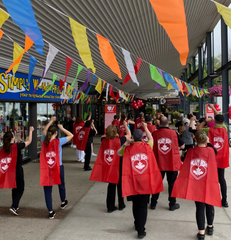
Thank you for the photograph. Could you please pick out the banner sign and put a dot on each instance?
(209, 111)
(18, 89)
(110, 111)
(170, 101)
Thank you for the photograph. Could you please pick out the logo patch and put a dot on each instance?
(77, 128)
(145, 139)
(81, 135)
(164, 145)
(4, 164)
(51, 161)
(108, 155)
(218, 143)
(139, 162)
(198, 168)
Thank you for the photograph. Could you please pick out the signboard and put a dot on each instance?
(16, 89)
(110, 111)
(209, 111)
(170, 101)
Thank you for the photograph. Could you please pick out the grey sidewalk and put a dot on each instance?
(86, 216)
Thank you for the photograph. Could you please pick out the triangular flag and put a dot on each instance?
(157, 86)
(98, 87)
(88, 90)
(117, 95)
(130, 67)
(77, 74)
(52, 84)
(81, 42)
(121, 94)
(171, 15)
(189, 90)
(61, 84)
(155, 75)
(184, 87)
(17, 59)
(225, 13)
(108, 55)
(18, 51)
(107, 91)
(169, 79)
(111, 93)
(169, 86)
(206, 91)
(196, 93)
(179, 85)
(32, 64)
(68, 65)
(3, 17)
(1, 33)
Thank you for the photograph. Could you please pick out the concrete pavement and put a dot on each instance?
(86, 216)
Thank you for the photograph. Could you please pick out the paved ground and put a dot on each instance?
(86, 216)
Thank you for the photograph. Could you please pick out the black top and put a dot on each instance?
(20, 146)
(180, 141)
(91, 135)
(70, 125)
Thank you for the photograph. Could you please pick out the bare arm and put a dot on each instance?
(214, 109)
(48, 125)
(28, 142)
(128, 141)
(89, 117)
(128, 132)
(93, 126)
(201, 125)
(69, 134)
(131, 122)
(148, 134)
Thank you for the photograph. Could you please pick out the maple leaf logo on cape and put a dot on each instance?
(139, 162)
(51, 159)
(81, 135)
(198, 168)
(218, 143)
(78, 128)
(108, 155)
(164, 145)
(4, 164)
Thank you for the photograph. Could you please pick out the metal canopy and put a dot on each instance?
(131, 24)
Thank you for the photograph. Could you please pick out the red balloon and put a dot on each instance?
(136, 107)
(218, 109)
(216, 105)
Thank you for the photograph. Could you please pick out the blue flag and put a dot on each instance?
(31, 68)
(22, 14)
(170, 80)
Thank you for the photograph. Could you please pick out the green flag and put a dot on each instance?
(54, 78)
(155, 75)
(78, 71)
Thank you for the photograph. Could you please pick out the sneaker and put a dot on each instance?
(14, 211)
(93, 154)
(225, 204)
(71, 145)
(200, 236)
(64, 205)
(141, 235)
(52, 215)
(83, 160)
(174, 207)
(209, 230)
(153, 207)
(112, 210)
(74, 146)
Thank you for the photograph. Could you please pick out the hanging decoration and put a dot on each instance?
(171, 15)
(77, 74)
(108, 55)
(88, 90)
(81, 43)
(225, 13)
(155, 75)
(98, 87)
(107, 91)
(32, 64)
(111, 93)
(179, 85)
(22, 14)
(52, 84)
(1, 34)
(170, 80)
(3, 17)
(68, 65)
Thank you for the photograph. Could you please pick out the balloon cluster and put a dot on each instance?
(217, 107)
(137, 104)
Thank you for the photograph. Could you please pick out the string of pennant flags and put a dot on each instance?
(82, 45)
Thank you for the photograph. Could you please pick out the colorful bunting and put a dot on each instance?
(22, 14)
(155, 75)
(81, 43)
(171, 15)
(225, 13)
(157, 86)
(68, 65)
(107, 91)
(61, 84)
(169, 79)
(170, 86)
(88, 90)
(18, 51)
(121, 94)
(52, 84)
(117, 96)
(77, 74)
(15, 64)
(32, 64)
(98, 87)
(130, 67)
(184, 87)
(111, 93)
(179, 85)
(108, 55)
(187, 86)
(1, 34)
(3, 17)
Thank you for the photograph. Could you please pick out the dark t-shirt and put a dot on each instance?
(20, 146)
(90, 137)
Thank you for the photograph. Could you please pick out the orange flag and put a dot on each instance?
(1, 33)
(171, 15)
(108, 55)
(179, 85)
(28, 44)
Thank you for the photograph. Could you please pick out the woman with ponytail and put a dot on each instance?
(11, 171)
(51, 167)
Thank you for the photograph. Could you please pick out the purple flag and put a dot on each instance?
(40, 80)
(157, 85)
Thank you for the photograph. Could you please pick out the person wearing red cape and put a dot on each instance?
(79, 123)
(121, 124)
(151, 128)
(218, 137)
(166, 150)
(108, 165)
(139, 164)
(116, 120)
(11, 171)
(198, 181)
(51, 166)
(139, 120)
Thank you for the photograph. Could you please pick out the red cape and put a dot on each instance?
(8, 167)
(137, 122)
(122, 128)
(198, 178)
(106, 168)
(140, 174)
(166, 149)
(81, 138)
(49, 164)
(115, 122)
(151, 128)
(218, 137)
(76, 128)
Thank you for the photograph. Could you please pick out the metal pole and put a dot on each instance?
(225, 75)
(188, 98)
(209, 61)
(194, 64)
(33, 122)
(200, 77)
(184, 102)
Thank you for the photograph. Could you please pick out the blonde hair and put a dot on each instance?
(201, 136)
(111, 132)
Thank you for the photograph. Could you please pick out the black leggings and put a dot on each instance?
(223, 186)
(200, 214)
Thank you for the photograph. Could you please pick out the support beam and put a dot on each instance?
(200, 77)
(209, 61)
(33, 122)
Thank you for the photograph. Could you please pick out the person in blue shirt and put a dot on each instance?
(50, 132)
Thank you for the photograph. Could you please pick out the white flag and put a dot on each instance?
(130, 67)
(50, 56)
(122, 95)
(107, 91)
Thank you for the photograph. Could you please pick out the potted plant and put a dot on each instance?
(216, 91)
(150, 110)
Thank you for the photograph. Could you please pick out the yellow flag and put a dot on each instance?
(225, 13)
(18, 51)
(169, 86)
(98, 87)
(81, 42)
(3, 17)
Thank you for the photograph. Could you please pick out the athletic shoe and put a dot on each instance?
(83, 160)
(93, 154)
(64, 205)
(52, 215)
(225, 204)
(209, 230)
(71, 145)
(141, 235)
(174, 207)
(14, 211)
(74, 146)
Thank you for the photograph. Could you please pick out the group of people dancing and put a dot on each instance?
(135, 164)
